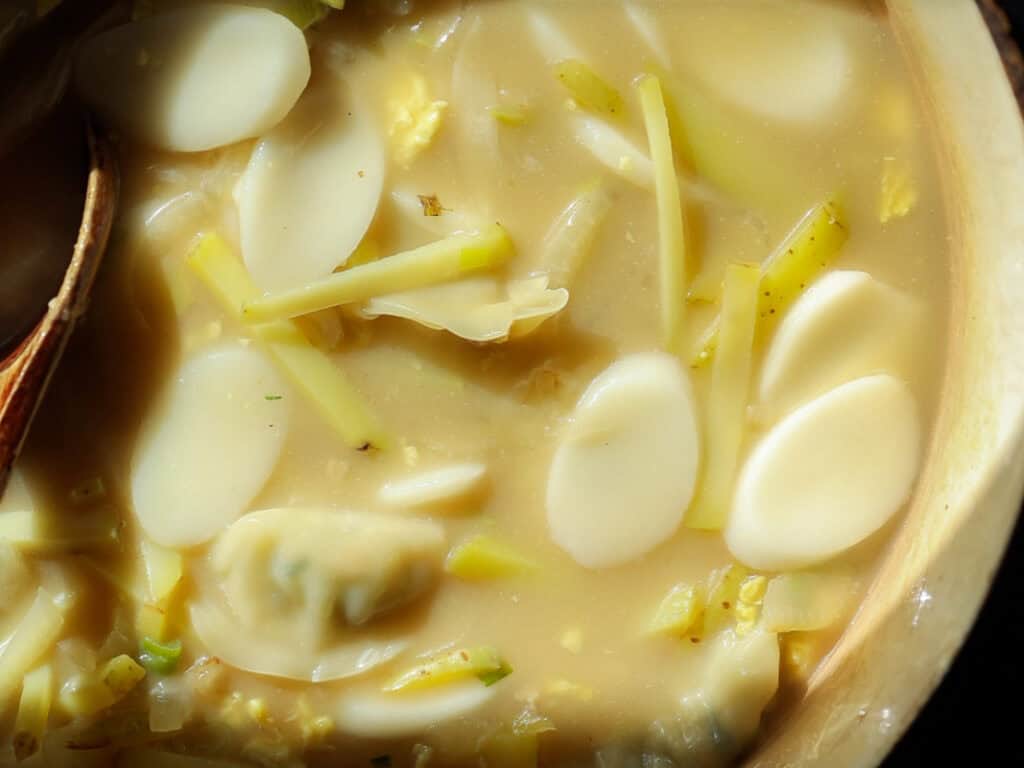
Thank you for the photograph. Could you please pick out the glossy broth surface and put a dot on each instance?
(586, 670)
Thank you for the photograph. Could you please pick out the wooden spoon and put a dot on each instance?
(37, 53)
(26, 371)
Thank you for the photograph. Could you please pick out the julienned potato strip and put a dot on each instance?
(310, 371)
(805, 253)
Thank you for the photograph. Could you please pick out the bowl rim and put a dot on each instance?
(923, 602)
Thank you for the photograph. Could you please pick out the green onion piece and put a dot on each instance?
(491, 677)
(438, 262)
(161, 658)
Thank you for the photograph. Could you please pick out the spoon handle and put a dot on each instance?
(25, 373)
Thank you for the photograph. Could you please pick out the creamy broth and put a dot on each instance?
(588, 676)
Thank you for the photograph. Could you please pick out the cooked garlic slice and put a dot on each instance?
(310, 190)
(390, 715)
(625, 470)
(478, 309)
(196, 78)
(436, 487)
(208, 449)
(828, 476)
(846, 325)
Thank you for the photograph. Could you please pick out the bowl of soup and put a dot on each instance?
(523, 384)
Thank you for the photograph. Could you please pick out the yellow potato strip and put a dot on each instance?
(671, 230)
(807, 250)
(727, 401)
(437, 262)
(310, 371)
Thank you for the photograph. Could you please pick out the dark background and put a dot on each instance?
(978, 704)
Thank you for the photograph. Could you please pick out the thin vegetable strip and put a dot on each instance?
(807, 250)
(33, 711)
(437, 262)
(37, 631)
(671, 231)
(309, 370)
(727, 403)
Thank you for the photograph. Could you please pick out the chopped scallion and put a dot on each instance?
(491, 677)
(160, 657)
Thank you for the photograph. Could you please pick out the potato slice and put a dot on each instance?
(846, 325)
(828, 476)
(625, 470)
(310, 191)
(209, 448)
(196, 78)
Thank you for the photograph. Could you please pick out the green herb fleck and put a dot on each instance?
(492, 676)
(273, 397)
(161, 658)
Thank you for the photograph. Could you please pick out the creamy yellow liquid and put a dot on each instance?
(446, 400)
